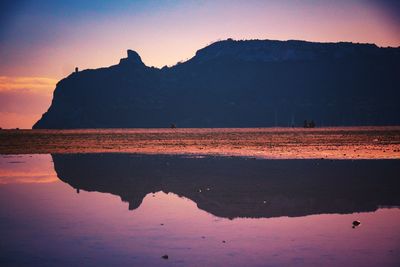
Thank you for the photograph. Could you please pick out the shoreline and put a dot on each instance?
(262, 143)
(201, 156)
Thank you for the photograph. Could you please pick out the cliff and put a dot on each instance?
(252, 83)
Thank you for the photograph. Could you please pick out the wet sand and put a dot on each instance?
(268, 143)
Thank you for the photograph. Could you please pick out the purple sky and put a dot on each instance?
(43, 41)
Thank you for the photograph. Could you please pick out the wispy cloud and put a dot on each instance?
(23, 100)
(33, 84)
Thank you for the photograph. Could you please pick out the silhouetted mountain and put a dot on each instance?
(239, 187)
(237, 84)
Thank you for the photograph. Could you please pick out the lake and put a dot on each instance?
(202, 197)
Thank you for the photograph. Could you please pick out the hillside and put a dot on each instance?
(254, 83)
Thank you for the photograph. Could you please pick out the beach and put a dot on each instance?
(200, 197)
(267, 143)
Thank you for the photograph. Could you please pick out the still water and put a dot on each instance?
(130, 210)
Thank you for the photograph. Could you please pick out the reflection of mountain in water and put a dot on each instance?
(238, 187)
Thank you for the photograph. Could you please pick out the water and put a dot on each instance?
(130, 210)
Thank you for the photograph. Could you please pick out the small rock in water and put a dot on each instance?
(356, 223)
(165, 257)
(223, 241)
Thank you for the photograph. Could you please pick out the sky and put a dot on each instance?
(43, 41)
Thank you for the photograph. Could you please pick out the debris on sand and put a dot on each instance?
(165, 257)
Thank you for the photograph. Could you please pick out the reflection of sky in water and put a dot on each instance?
(26, 169)
(50, 224)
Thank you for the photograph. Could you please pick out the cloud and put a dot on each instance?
(32, 84)
(23, 100)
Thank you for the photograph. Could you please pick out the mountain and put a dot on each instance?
(229, 83)
(233, 187)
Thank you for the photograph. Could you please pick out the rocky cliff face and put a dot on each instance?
(237, 84)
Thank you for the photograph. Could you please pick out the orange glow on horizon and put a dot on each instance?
(27, 169)
(40, 85)
(24, 99)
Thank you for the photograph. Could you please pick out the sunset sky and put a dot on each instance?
(43, 41)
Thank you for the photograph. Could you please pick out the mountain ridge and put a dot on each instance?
(250, 83)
